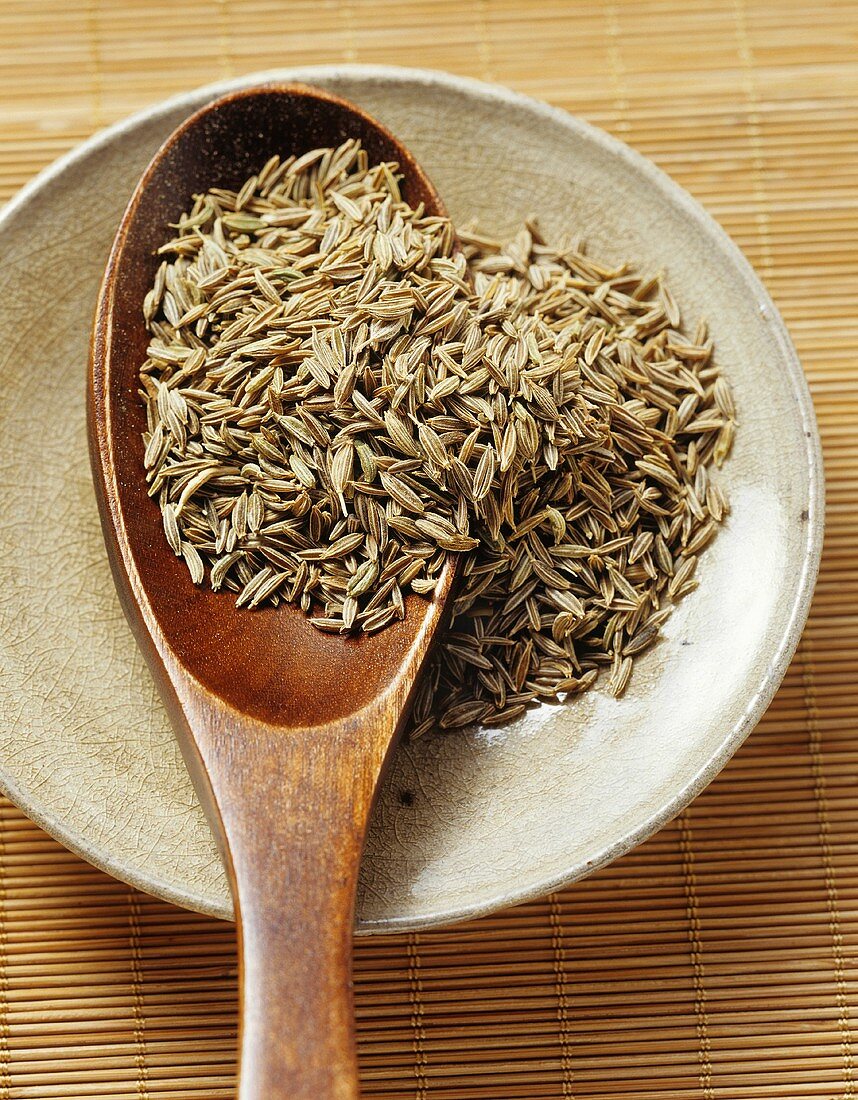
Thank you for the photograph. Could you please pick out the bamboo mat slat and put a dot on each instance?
(718, 961)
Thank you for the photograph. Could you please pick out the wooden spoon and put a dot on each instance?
(285, 730)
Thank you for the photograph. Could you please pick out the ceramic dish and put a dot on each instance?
(467, 822)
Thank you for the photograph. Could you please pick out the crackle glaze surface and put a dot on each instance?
(466, 822)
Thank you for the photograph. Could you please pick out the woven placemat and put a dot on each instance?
(718, 961)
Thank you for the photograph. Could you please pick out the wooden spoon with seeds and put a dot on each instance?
(285, 730)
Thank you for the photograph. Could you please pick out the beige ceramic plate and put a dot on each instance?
(467, 822)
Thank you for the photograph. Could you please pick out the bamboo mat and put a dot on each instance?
(720, 960)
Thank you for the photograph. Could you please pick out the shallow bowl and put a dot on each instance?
(467, 822)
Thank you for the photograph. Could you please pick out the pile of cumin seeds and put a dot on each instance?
(337, 399)
(592, 555)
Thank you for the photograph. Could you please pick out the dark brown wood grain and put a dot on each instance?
(285, 730)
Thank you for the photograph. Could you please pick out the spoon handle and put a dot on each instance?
(291, 808)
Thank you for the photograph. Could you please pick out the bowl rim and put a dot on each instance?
(501, 97)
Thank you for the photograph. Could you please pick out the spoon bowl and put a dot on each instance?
(285, 730)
